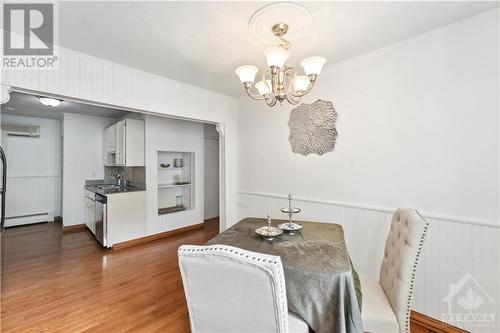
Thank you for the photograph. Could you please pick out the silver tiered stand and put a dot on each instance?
(269, 232)
(290, 227)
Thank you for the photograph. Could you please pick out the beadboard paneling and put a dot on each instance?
(82, 160)
(452, 248)
(29, 195)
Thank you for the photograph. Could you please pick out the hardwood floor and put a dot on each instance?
(423, 324)
(54, 282)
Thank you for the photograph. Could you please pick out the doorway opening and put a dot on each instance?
(211, 159)
(79, 153)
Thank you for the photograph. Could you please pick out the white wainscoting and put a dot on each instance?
(32, 195)
(82, 160)
(453, 246)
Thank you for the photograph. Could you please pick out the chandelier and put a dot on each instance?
(279, 82)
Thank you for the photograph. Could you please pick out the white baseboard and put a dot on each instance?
(30, 219)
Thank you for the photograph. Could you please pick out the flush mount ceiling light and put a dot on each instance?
(279, 82)
(49, 101)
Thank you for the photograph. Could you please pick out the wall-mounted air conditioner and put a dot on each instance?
(21, 130)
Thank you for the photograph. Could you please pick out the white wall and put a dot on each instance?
(418, 126)
(33, 170)
(166, 134)
(84, 77)
(211, 169)
(83, 159)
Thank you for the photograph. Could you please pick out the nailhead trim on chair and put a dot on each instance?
(217, 249)
(402, 252)
(412, 280)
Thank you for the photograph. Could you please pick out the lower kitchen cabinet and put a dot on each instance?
(126, 216)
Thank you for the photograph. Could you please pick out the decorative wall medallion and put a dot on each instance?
(312, 128)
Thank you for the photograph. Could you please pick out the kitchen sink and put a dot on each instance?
(104, 189)
(107, 187)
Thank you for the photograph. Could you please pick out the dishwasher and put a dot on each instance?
(101, 219)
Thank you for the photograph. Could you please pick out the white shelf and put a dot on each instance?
(183, 168)
(168, 178)
(172, 185)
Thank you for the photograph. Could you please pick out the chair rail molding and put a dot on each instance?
(435, 216)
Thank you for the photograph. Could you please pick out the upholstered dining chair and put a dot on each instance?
(387, 302)
(232, 290)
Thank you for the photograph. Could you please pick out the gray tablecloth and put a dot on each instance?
(322, 287)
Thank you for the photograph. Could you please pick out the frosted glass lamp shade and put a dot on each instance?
(263, 87)
(276, 56)
(246, 73)
(49, 101)
(301, 83)
(313, 65)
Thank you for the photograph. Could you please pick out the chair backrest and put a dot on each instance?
(232, 290)
(402, 251)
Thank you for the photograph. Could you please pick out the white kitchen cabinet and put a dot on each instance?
(109, 148)
(121, 142)
(126, 216)
(110, 134)
(127, 146)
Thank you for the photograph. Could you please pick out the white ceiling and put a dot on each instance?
(22, 104)
(201, 43)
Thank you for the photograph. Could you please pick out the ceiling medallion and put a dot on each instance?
(279, 82)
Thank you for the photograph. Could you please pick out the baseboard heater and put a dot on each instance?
(28, 219)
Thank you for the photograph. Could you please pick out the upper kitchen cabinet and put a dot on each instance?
(124, 143)
(110, 139)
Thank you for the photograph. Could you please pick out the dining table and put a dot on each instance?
(322, 286)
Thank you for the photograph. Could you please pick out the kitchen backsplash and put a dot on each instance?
(134, 174)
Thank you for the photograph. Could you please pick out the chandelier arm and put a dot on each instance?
(286, 69)
(291, 77)
(296, 94)
(292, 101)
(254, 97)
(271, 102)
(274, 72)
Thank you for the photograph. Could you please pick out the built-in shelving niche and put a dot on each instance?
(174, 181)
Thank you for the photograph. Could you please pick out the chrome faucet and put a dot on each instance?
(119, 175)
